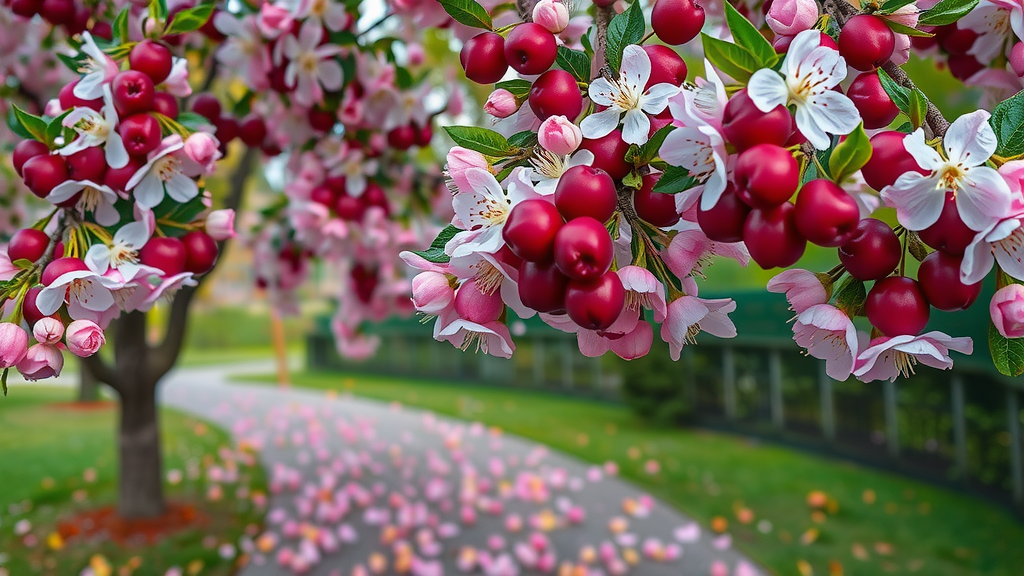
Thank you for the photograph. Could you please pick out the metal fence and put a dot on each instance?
(960, 428)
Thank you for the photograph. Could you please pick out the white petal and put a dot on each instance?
(984, 198)
(970, 140)
(330, 74)
(94, 296)
(925, 155)
(600, 124)
(806, 121)
(117, 156)
(833, 112)
(917, 199)
(601, 92)
(106, 214)
(636, 127)
(134, 235)
(182, 188)
(656, 98)
(98, 258)
(64, 191)
(636, 68)
(799, 49)
(51, 298)
(977, 260)
(767, 90)
(149, 192)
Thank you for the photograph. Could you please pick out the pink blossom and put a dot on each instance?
(691, 249)
(628, 346)
(501, 104)
(13, 344)
(689, 315)
(828, 334)
(791, 17)
(559, 136)
(84, 338)
(431, 292)
(203, 149)
(48, 330)
(460, 160)
(220, 224)
(491, 338)
(177, 83)
(40, 362)
(802, 288)
(887, 358)
(643, 290)
(274, 20)
(1007, 311)
(7, 268)
(552, 15)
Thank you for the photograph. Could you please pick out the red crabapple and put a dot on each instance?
(583, 249)
(586, 191)
(897, 306)
(530, 229)
(873, 252)
(595, 305)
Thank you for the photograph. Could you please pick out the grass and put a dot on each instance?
(875, 523)
(56, 462)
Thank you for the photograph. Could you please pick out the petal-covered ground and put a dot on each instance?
(360, 488)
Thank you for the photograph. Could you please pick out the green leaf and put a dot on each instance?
(519, 88)
(170, 212)
(946, 12)
(734, 60)
(158, 10)
(120, 26)
(675, 179)
(524, 139)
(574, 62)
(192, 121)
(906, 128)
(908, 30)
(508, 167)
(651, 149)
(890, 6)
(33, 125)
(436, 253)
(468, 12)
(918, 108)
(810, 173)
(3, 380)
(585, 40)
(55, 129)
(850, 155)
(170, 126)
(72, 62)
(484, 141)
(851, 296)
(1008, 123)
(624, 29)
(190, 20)
(1007, 353)
(23, 263)
(900, 96)
(747, 36)
(633, 180)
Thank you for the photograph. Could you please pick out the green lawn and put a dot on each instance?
(46, 455)
(907, 528)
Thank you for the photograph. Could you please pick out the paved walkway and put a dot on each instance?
(361, 488)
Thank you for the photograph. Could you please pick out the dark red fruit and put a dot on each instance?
(402, 138)
(483, 58)
(424, 134)
(43, 173)
(609, 154)
(677, 21)
(873, 252)
(200, 252)
(252, 130)
(889, 160)
(825, 213)
(939, 277)
(542, 286)
(207, 106)
(323, 195)
(725, 221)
(31, 307)
(949, 233)
(654, 207)
(117, 178)
(140, 133)
(583, 249)
(88, 164)
(876, 108)
(897, 306)
(530, 48)
(321, 120)
(167, 254)
(530, 230)
(350, 208)
(766, 175)
(26, 8)
(58, 12)
(585, 191)
(595, 305)
(152, 59)
(133, 93)
(666, 66)
(227, 128)
(164, 103)
(60, 267)
(556, 93)
(866, 42)
(28, 244)
(25, 151)
(374, 196)
(745, 126)
(772, 238)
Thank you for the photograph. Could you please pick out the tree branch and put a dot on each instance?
(602, 18)
(103, 372)
(935, 122)
(525, 9)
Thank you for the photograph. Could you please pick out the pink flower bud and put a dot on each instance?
(501, 104)
(559, 136)
(1007, 311)
(85, 338)
(274, 20)
(53, 108)
(552, 15)
(13, 344)
(1017, 59)
(431, 292)
(462, 159)
(791, 17)
(220, 224)
(203, 149)
(417, 55)
(48, 331)
(41, 361)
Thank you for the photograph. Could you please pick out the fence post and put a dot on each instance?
(956, 384)
(892, 433)
(828, 412)
(1013, 423)
(729, 382)
(775, 387)
(538, 361)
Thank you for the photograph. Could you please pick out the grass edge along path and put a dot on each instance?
(867, 522)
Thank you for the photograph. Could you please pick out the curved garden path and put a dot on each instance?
(363, 487)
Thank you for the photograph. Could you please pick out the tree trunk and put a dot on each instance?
(141, 469)
(88, 385)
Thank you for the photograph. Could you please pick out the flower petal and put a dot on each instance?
(918, 200)
(600, 124)
(970, 139)
(636, 127)
(984, 198)
(767, 90)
